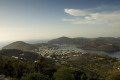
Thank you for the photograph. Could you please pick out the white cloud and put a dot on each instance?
(109, 18)
(76, 12)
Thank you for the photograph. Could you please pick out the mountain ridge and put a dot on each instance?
(20, 45)
(109, 44)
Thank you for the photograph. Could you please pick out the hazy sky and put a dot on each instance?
(47, 19)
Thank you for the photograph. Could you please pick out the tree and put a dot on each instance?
(78, 74)
(63, 73)
(50, 72)
(114, 77)
(35, 76)
(40, 65)
(66, 73)
(13, 68)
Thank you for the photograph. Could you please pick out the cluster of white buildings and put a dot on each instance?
(53, 51)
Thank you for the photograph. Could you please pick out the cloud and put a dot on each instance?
(89, 16)
(76, 12)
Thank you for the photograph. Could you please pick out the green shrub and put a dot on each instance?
(114, 77)
(35, 76)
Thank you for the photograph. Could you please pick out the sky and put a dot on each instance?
(48, 19)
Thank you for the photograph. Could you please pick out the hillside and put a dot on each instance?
(95, 63)
(66, 40)
(19, 54)
(119, 38)
(20, 45)
(108, 44)
(96, 66)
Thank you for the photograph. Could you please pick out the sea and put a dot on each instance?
(112, 54)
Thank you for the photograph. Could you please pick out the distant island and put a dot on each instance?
(108, 44)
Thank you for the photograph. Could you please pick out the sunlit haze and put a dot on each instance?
(48, 19)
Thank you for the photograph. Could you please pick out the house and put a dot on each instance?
(14, 57)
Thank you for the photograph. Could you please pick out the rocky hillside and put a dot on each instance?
(20, 45)
(66, 40)
(102, 43)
